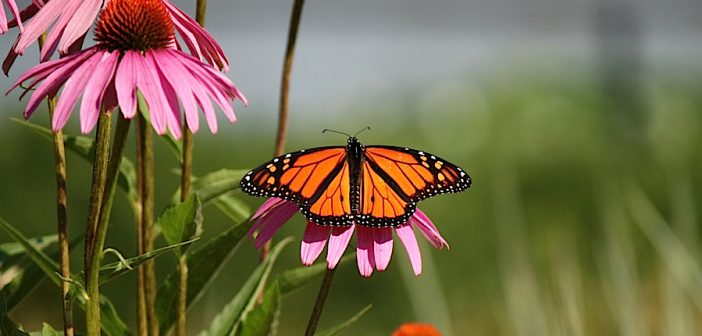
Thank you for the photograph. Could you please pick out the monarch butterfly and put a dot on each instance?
(375, 186)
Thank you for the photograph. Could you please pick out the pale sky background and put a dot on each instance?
(351, 49)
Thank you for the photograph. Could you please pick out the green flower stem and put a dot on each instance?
(283, 105)
(186, 173)
(61, 215)
(319, 304)
(62, 220)
(200, 11)
(102, 138)
(109, 186)
(146, 276)
(182, 294)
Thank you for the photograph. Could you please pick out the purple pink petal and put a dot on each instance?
(313, 242)
(374, 245)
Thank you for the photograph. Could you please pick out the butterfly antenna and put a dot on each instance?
(367, 128)
(333, 131)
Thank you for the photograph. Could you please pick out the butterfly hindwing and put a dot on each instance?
(381, 203)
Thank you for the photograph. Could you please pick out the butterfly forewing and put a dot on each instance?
(316, 179)
(414, 174)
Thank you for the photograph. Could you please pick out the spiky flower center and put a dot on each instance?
(134, 25)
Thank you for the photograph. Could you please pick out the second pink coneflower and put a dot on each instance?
(134, 52)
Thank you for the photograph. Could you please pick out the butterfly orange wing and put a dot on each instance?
(395, 179)
(316, 179)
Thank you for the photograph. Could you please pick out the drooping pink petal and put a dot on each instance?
(205, 105)
(180, 80)
(41, 21)
(270, 204)
(15, 13)
(168, 95)
(214, 83)
(126, 83)
(338, 241)
(272, 221)
(364, 251)
(43, 70)
(72, 89)
(406, 235)
(150, 88)
(95, 91)
(313, 242)
(382, 247)
(428, 229)
(26, 14)
(54, 36)
(79, 23)
(198, 40)
(55, 79)
(9, 61)
(3, 19)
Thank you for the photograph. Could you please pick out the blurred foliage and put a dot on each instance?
(574, 225)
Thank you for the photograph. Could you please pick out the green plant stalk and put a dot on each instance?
(97, 191)
(186, 173)
(146, 275)
(182, 294)
(319, 304)
(284, 102)
(61, 215)
(62, 221)
(110, 185)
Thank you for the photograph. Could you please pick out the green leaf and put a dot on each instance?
(173, 144)
(229, 320)
(233, 207)
(115, 269)
(263, 319)
(27, 273)
(46, 264)
(83, 146)
(112, 324)
(297, 277)
(7, 326)
(213, 185)
(203, 266)
(12, 251)
(182, 222)
(335, 330)
(47, 330)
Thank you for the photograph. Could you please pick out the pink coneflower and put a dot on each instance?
(133, 51)
(373, 245)
(71, 20)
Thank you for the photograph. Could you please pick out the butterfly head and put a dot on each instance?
(354, 147)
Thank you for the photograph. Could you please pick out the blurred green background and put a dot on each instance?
(583, 214)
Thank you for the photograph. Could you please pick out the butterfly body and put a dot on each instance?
(376, 186)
